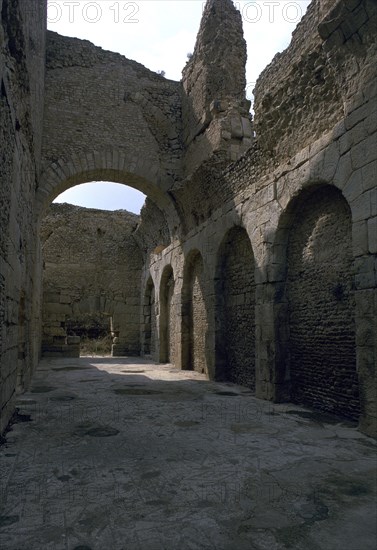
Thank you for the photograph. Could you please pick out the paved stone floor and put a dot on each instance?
(121, 454)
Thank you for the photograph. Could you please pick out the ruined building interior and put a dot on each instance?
(254, 259)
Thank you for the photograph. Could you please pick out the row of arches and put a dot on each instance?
(223, 315)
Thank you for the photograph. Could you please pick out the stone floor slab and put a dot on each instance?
(122, 454)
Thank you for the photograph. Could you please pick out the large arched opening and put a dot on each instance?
(91, 277)
(194, 315)
(235, 310)
(66, 173)
(158, 219)
(321, 346)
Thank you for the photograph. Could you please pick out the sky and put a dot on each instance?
(159, 34)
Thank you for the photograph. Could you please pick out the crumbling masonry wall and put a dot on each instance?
(216, 114)
(334, 144)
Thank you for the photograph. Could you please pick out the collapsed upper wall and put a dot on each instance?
(297, 97)
(310, 86)
(215, 110)
(98, 102)
(349, 34)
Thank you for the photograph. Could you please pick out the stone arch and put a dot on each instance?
(167, 317)
(110, 165)
(235, 309)
(316, 232)
(194, 315)
(149, 321)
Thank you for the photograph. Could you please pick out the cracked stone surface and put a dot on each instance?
(120, 454)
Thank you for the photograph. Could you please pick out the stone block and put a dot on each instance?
(369, 176)
(364, 264)
(339, 129)
(335, 40)
(326, 28)
(247, 128)
(365, 335)
(265, 195)
(319, 144)
(73, 340)
(371, 121)
(365, 303)
(360, 238)
(330, 161)
(365, 280)
(352, 24)
(366, 366)
(352, 137)
(361, 207)
(356, 115)
(372, 235)
(364, 152)
(351, 4)
(373, 202)
(343, 171)
(276, 272)
(57, 309)
(51, 297)
(133, 301)
(237, 127)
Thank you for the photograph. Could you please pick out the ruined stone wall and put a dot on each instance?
(22, 63)
(215, 109)
(259, 191)
(92, 264)
(297, 97)
(315, 123)
(320, 292)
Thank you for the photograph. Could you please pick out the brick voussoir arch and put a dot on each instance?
(110, 165)
(302, 200)
(278, 235)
